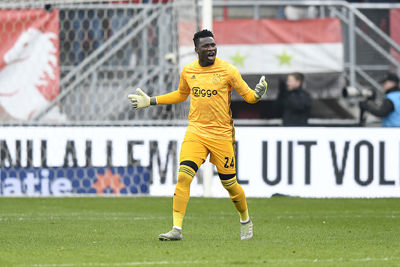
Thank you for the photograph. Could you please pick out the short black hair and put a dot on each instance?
(298, 76)
(201, 34)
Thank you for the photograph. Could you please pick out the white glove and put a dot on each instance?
(261, 88)
(139, 101)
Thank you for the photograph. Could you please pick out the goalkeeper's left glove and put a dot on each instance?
(261, 88)
(142, 100)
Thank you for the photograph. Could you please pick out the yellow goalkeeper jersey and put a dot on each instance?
(210, 89)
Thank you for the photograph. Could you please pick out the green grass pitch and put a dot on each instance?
(123, 232)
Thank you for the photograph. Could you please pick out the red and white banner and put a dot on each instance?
(275, 46)
(29, 62)
(395, 30)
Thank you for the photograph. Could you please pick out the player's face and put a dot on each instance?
(292, 83)
(207, 51)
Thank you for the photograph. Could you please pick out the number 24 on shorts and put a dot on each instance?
(231, 164)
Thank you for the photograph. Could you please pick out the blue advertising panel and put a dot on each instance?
(60, 181)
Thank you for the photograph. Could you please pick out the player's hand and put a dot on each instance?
(142, 100)
(261, 88)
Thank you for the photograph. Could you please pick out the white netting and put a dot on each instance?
(98, 52)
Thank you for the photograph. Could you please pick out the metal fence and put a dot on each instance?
(107, 50)
(132, 46)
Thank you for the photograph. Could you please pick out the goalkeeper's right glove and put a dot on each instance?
(142, 100)
(261, 88)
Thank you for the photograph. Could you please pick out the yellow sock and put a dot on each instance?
(238, 197)
(244, 216)
(177, 219)
(182, 194)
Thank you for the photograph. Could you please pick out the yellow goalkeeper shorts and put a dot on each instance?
(222, 152)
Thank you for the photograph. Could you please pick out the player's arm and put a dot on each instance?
(249, 95)
(171, 98)
(142, 100)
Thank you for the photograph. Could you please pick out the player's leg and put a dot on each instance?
(193, 154)
(237, 195)
(187, 170)
(223, 156)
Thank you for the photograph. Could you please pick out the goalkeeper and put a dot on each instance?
(209, 81)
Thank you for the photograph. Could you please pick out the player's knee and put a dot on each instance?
(228, 180)
(184, 179)
(187, 171)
